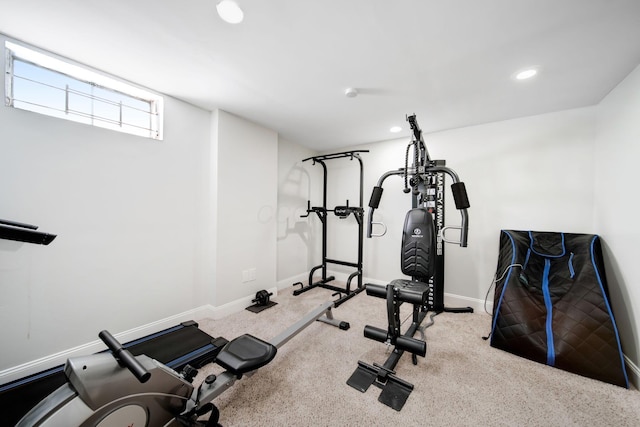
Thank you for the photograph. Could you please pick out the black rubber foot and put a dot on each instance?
(344, 326)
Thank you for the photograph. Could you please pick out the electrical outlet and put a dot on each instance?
(248, 275)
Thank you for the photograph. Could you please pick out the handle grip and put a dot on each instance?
(372, 234)
(376, 194)
(460, 195)
(124, 357)
(463, 235)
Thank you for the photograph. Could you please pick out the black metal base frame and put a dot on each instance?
(395, 391)
(344, 294)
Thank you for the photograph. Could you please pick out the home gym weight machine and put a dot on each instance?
(113, 389)
(422, 258)
(341, 212)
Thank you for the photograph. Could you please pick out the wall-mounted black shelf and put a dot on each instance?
(20, 232)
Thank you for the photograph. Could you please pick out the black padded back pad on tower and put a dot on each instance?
(417, 258)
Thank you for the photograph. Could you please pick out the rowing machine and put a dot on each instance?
(118, 389)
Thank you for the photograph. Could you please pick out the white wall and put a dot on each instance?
(298, 239)
(247, 179)
(125, 211)
(531, 173)
(147, 230)
(616, 204)
(534, 173)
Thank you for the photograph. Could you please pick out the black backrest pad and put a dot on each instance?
(417, 258)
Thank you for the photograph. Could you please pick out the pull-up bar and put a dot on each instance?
(335, 155)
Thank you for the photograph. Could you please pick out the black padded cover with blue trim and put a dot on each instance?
(555, 308)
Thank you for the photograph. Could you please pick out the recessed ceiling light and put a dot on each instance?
(230, 12)
(526, 74)
(351, 92)
(395, 129)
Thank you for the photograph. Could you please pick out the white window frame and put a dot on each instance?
(46, 60)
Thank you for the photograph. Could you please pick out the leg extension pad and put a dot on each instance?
(404, 343)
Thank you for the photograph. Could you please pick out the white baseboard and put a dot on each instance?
(53, 360)
(452, 300)
(633, 372)
(288, 282)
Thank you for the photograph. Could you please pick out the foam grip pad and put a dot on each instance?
(412, 297)
(412, 345)
(460, 195)
(374, 333)
(376, 194)
(379, 291)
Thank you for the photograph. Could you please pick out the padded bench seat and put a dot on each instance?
(411, 291)
(245, 353)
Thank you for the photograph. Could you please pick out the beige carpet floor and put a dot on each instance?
(461, 382)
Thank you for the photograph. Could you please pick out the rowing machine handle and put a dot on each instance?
(124, 357)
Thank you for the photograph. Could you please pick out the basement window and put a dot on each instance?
(52, 86)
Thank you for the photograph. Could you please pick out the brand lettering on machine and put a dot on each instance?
(440, 214)
(417, 232)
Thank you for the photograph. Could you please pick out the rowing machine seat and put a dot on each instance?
(245, 353)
